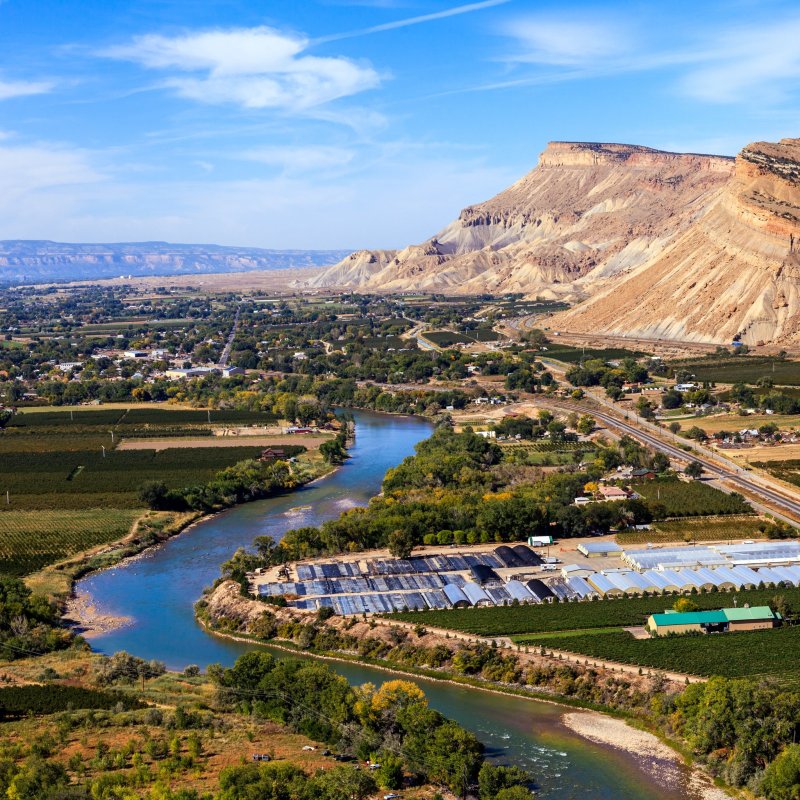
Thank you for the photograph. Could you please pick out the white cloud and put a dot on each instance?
(9, 89)
(251, 67)
(754, 64)
(566, 42)
(300, 159)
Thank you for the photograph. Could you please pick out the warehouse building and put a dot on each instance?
(721, 621)
(599, 549)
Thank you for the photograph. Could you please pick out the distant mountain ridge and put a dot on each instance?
(35, 261)
(643, 242)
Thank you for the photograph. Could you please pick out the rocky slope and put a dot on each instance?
(586, 209)
(734, 272)
(646, 243)
(26, 261)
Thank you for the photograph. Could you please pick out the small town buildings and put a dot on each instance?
(229, 372)
(272, 453)
(723, 620)
(135, 354)
(192, 372)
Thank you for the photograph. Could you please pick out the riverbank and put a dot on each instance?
(657, 756)
(152, 529)
(607, 727)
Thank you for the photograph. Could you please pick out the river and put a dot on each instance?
(156, 591)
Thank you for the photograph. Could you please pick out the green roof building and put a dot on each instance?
(719, 621)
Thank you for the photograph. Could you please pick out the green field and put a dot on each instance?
(754, 654)
(788, 470)
(703, 529)
(574, 355)
(79, 479)
(543, 454)
(446, 338)
(29, 540)
(623, 612)
(741, 369)
(690, 499)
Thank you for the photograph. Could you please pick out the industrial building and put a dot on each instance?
(720, 621)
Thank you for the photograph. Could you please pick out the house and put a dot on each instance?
(723, 620)
(272, 453)
(643, 474)
(68, 366)
(134, 354)
(612, 493)
(487, 434)
(229, 372)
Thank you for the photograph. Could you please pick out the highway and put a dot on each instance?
(717, 466)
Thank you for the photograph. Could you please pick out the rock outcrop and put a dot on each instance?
(734, 272)
(643, 242)
(586, 209)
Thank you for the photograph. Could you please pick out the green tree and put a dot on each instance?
(401, 543)
(694, 469)
(781, 779)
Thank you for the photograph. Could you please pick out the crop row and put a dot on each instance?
(506, 620)
(682, 499)
(734, 655)
(699, 530)
(744, 369)
(79, 473)
(31, 539)
(87, 418)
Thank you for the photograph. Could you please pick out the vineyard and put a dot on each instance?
(446, 338)
(501, 621)
(30, 540)
(697, 530)
(770, 653)
(741, 369)
(77, 479)
(17, 702)
(695, 499)
(542, 454)
(575, 355)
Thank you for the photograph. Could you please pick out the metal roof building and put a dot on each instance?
(767, 576)
(540, 590)
(599, 549)
(519, 591)
(455, 596)
(603, 585)
(581, 587)
(476, 595)
(749, 577)
(661, 581)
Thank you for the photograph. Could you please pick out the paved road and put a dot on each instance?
(226, 353)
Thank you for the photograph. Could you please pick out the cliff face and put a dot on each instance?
(586, 209)
(644, 242)
(734, 271)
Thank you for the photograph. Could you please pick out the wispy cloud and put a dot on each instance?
(469, 8)
(251, 67)
(9, 89)
(759, 62)
(756, 63)
(297, 160)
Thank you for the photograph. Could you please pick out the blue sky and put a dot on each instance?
(354, 123)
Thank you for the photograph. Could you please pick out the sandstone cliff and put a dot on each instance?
(734, 272)
(644, 242)
(585, 209)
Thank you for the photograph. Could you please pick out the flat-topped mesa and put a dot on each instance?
(592, 154)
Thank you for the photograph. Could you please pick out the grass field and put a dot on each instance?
(788, 471)
(737, 422)
(624, 612)
(741, 369)
(29, 540)
(755, 654)
(574, 355)
(695, 498)
(699, 529)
